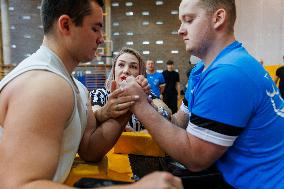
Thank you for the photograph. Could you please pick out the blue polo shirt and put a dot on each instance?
(155, 80)
(235, 103)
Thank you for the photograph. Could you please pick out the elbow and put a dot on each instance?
(91, 157)
(196, 167)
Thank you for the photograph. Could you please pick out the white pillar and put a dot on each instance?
(108, 28)
(5, 31)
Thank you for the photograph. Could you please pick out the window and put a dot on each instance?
(160, 42)
(129, 43)
(129, 4)
(145, 23)
(159, 2)
(145, 13)
(115, 4)
(129, 13)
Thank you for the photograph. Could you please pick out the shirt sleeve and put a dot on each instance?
(162, 79)
(177, 77)
(222, 105)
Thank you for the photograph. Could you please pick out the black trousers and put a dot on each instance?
(171, 101)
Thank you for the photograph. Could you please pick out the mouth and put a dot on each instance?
(123, 78)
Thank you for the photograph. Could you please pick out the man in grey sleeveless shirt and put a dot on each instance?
(45, 116)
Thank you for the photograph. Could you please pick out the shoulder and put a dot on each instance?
(41, 91)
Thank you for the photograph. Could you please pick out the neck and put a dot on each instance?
(58, 48)
(217, 46)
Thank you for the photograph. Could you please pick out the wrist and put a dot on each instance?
(101, 115)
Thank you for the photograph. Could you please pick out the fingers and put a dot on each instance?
(160, 180)
(173, 181)
(113, 86)
(123, 106)
(177, 183)
(116, 93)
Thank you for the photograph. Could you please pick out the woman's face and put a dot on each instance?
(126, 65)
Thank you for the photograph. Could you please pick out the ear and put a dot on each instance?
(219, 18)
(64, 22)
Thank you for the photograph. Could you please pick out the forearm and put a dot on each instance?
(174, 140)
(178, 88)
(99, 141)
(101, 115)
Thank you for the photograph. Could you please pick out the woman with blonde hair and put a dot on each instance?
(109, 103)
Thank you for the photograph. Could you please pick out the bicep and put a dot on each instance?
(33, 128)
(205, 153)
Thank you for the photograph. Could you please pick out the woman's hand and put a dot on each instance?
(143, 82)
(118, 104)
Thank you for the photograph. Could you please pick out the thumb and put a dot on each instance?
(113, 86)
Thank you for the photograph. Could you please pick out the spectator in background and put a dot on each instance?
(280, 77)
(172, 88)
(155, 79)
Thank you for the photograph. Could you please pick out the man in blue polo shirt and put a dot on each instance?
(233, 114)
(155, 79)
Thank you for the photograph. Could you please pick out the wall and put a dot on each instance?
(260, 26)
(26, 28)
(166, 32)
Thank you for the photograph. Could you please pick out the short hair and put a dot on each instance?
(75, 9)
(229, 5)
(150, 60)
(142, 70)
(170, 62)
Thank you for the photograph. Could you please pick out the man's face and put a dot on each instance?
(150, 66)
(85, 39)
(196, 27)
(170, 67)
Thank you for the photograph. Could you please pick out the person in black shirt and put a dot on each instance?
(172, 88)
(280, 77)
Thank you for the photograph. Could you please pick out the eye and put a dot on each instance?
(134, 67)
(120, 65)
(96, 29)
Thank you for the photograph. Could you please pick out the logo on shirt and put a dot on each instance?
(275, 98)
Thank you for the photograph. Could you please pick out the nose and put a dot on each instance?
(100, 39)
(181, 30)
(126, 70)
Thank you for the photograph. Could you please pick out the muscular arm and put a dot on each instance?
(193, 152)
(99, 139)
(33, 129)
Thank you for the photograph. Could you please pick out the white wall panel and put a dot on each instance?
(260, 27)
